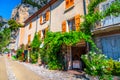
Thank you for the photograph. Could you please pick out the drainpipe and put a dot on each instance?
(36, 24)
(84, 6)
(85, 12)
(50, 18)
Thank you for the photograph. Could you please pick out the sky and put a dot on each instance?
(6, 7)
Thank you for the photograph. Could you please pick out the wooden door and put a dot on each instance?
(111, 46)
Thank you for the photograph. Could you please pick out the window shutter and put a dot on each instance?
(46, 30)
(67, 3)
(40, 19)
(30, 26)
(71, 2)
(29, 39)
(64, 26)
(77, 22)
(47, 15)
(39, 34)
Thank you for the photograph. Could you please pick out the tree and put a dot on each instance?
(35, 48)
(4, 38)
(96, 16)
(36, 42)
(14, 25)
(34, 4)
(1, 24)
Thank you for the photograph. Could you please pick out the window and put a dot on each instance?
(43, 32)
(47, 15)
(69, 3)
(71, 25)
(41, 21)
(64, 26)
(44, 18)
(74, 24)
(30, 26)
(77, 22)
(29, 39)
(39, 34)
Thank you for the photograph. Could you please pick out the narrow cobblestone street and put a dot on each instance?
(3, 72)
(15, 70)
(11, 70)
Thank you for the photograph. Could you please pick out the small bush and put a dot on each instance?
(34, 57)
(99, 65)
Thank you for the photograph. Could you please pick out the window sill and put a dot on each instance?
(68, 9)
(43, 22)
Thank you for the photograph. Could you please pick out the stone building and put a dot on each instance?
(58, 16)
(107, 33)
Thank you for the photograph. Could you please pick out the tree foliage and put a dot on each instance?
(92, 17)
(36, 41)
(35, 48)
(114, 9)
(34, 4)
(14, 25)
(1, 24)
(4, 38)
(53, 42)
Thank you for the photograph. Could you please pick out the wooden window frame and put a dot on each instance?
(72, 21)
(69, 4)
(41, 19)
(77, 22)
(29, 39)
(64, 26)
(47, 15)
(30, 25)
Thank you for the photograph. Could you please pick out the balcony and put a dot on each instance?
(112, 20)
(108, 24)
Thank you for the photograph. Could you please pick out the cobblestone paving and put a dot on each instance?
(50, 74)
(22, 73)
(11, 75)
(14, 70)
(3, 73)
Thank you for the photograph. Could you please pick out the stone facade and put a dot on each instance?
(107, 33)
(58, 13)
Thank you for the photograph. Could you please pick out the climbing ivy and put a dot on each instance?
(92, 17)
(114, 9)
(35, 48)
(51, 54)
(53, 42)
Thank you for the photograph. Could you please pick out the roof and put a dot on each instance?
(39, 11)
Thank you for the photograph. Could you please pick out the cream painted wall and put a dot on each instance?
(36, 27)
(21, 36)
(30, 31)
(44, 25)
(59, 13)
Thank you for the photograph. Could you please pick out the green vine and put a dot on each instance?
(92, 17)
(35, 48)
(53, 42)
